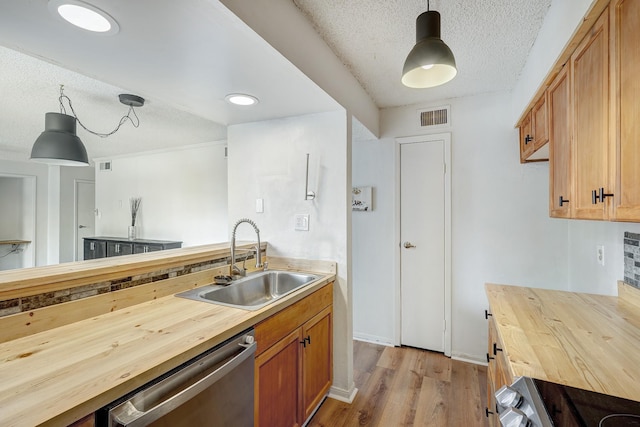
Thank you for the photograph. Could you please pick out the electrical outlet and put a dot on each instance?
(600, 254)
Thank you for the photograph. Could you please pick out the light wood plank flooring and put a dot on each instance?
(409, 387)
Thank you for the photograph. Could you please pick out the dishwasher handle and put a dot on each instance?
(136, 418)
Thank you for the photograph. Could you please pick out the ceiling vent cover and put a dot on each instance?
(434, 117)
(105, 166)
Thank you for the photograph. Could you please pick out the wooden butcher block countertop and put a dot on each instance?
(58, 376)
(581, 340)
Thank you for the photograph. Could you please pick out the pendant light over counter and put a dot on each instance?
(59, 144)
(430, 63)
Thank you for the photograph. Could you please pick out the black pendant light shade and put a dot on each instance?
(59, 144)
(430, 63)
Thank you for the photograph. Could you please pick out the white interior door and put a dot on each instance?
(85, 224)
(423, 245)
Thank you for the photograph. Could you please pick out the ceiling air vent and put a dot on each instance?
(105, 166)
(434, 117)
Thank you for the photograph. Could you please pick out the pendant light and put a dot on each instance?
(430, 63)
(59, 144)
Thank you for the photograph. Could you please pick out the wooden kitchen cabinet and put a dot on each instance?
(590, 123)
(534, 132)
(294, 361)
(497, 372)
(625, 69)
(559, 99)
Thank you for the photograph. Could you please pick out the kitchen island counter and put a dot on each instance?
(58, 376)
(581, 340)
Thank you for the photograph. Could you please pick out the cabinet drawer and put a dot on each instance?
(278, 326)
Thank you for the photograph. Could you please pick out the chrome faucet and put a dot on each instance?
(234, 269)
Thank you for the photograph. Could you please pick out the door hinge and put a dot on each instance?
(445, 325)
(444, 168)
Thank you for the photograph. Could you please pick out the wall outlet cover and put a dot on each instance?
(302, 222)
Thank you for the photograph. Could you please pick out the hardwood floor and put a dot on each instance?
(409, 387)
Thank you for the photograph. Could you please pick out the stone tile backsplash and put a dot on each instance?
(632, 259)
(17, 305)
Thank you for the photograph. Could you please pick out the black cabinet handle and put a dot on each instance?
(489, 358)
(562, 201)
(306, 341)
(496, 349)
(599, 195)
(528, 139)
(487, 314)
(604, 195)
(487, 412)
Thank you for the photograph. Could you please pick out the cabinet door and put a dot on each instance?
(559, 98)
(589, 145)
(277, 383)
(119, 248)
(317, 360)
(94, 249)
(526, 138)
(626, 60)
(143, 248)
(539, 122)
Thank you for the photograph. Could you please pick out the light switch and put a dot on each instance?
(302, 222)
(259, 205)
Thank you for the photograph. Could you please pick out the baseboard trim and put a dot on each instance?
(343, 395)
(372, 340)
(469, 359)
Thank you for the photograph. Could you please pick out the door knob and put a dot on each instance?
(82, 226)
(408, 245)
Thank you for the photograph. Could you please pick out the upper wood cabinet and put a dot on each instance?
(625, 72)
(600, 112)
(559, 99)
(534, 133)
(590, 119)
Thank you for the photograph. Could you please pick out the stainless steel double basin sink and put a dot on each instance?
(254, 291)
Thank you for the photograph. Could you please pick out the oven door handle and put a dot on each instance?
(130, 416)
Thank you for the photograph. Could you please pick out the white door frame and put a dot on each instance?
(446, 137)
(75, 213)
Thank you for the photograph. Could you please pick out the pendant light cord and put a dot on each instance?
(123, 120)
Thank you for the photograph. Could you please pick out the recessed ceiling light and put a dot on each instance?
(241, 99)
(84, 15)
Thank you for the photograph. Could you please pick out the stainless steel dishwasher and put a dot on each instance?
(213, 389)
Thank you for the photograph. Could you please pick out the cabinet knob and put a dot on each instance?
(528, 139)
(562, 201)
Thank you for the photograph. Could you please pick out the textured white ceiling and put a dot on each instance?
(183, 56)
(490, 40)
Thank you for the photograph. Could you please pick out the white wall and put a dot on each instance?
(35, 204)
(501, 230)
(373, 243)
(12, 223)
(267, 160)
(184, 194)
